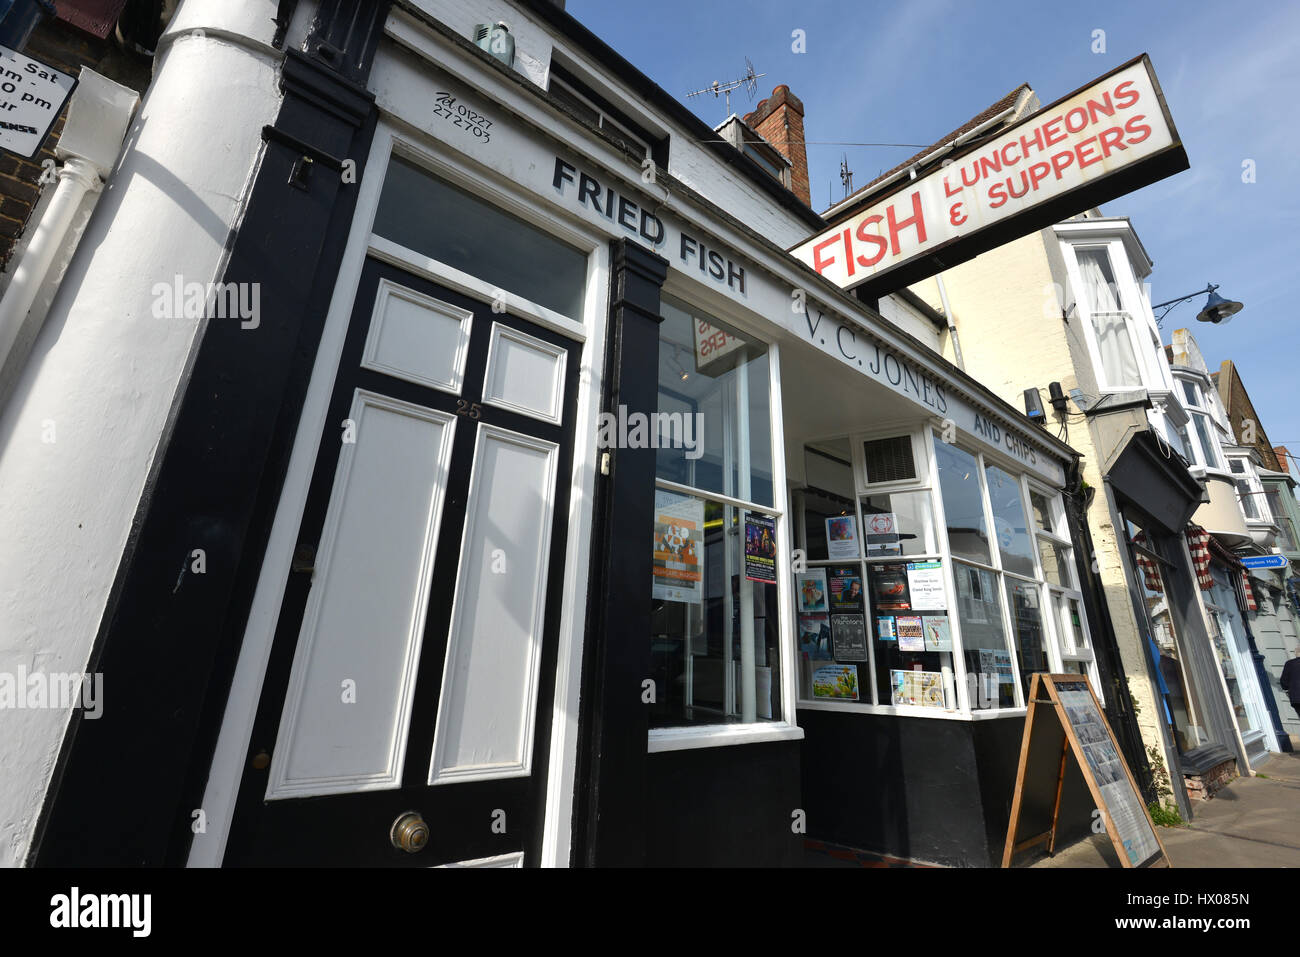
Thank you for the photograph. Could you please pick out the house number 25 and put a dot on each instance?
(472, 409)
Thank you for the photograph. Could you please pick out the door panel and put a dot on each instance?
(413, 669)
(344, 723)
(489, 685)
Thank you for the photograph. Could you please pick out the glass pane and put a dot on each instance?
(1191, 392)
(1247, 497)
(829, 494)
(963, 503)
(912, 635)
(1285, 538)
(713, 385)
(983, 638)
(1044, 515)
(1207, 444)
(1014, 543)
(1117, 358)
(833, 654)
(703, 612)
(1027, 626)
(1237, 466)
(434, 218)
(1217, 637)
(1056, 563)
(1181, 708)
(897, 524)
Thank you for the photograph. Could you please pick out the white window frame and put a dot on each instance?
(784, 728)
(1126, 287)
(1255, 490)
(1203, 408)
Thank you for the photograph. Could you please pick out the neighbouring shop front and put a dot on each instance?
(597, 529)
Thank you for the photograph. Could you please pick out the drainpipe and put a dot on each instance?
(952, 324)
(98, 115)
(77, 178)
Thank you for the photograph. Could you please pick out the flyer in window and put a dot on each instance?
(889, 588)
(925, 583)
(919, 689)
(815, 636)
(678, 549)
(938, 633)
(995, 662)
(846, 589)
(841, 537)
(910, 635)
(881, 534)
(849, 633)
(760, 548)
(836, 681)
(885, 629)
(810, 590)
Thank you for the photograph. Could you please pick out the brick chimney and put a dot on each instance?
(779, 120)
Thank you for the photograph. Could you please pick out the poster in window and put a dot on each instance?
(760, 548)
(925, 584)
(846, 589)
(889, 587)
(910, 635)
(678, 549)
(881, 534)
(836, 681)
(815, 636)
(849, 633)
(841, 537)
(995, 662)
(938, 633)
(810, 590)
(919, 689)
(885, 630)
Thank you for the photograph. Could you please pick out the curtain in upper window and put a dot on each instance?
(1109, 322)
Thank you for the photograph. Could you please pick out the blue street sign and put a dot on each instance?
(1266, 561)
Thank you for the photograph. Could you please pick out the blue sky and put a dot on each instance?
(910, 72)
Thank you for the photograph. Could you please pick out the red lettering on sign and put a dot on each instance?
(866, 237)
(820, 264)
(917, 219)
(1125, 95)
(1133, 125)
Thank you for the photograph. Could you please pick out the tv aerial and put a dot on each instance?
(749, 81)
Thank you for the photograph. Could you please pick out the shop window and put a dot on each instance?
(963, 503)
(1009, 523)
(714, 606)
(444, 222)
(715, 430)
(1182, 711)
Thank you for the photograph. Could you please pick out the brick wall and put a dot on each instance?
(779, 120)
(68, 49)
(1241, 410)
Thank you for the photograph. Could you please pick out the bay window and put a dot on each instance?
(1199, 436)
(1249, 490)
(959, 572)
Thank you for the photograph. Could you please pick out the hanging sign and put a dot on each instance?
(1107, 139)
(31, 97)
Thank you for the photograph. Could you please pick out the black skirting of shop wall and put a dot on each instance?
(125, 783)
(724, 807)
(609, 815)
(926, 789)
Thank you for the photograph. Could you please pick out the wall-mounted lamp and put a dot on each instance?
(1217, 309)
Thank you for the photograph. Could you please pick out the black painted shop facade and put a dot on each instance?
(652, 568)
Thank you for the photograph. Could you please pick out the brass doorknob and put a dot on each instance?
(410, 833)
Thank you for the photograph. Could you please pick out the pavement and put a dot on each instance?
(1252, 822)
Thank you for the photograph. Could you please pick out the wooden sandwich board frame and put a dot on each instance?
(1043, 691)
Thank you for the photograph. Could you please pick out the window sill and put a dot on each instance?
(718, 736)
(910, 712)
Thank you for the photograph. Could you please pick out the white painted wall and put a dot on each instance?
(103, 373)
(688, 160)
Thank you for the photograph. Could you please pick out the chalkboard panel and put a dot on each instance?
(1065, 718)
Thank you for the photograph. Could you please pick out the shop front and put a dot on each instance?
(583, 525)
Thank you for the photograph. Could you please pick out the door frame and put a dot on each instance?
(207, 849)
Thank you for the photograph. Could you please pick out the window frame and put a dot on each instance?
(1254, 490)
(924, 442)
(784, 695)
(1149, 376)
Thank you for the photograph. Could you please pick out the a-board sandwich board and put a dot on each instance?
(1065, 718)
